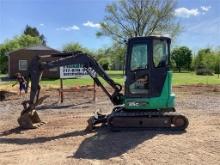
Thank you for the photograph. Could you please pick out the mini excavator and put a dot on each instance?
(148, 101)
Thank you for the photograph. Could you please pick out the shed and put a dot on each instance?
(19, 60)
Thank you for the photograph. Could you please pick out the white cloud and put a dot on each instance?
(41, 24)
(205, 8)
(91, 24)
(68, 28)
(186, 13)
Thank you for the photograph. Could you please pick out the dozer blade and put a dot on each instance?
(30, 120)
(98, 118)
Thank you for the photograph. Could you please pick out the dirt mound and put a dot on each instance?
(5, 95)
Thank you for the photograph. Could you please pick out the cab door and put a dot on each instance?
(159, 65)
(137, 68)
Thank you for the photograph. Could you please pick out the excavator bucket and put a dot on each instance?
(29, 119)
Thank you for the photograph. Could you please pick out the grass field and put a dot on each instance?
(178, 79)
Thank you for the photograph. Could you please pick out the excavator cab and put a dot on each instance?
(148, 100)
(148, 79)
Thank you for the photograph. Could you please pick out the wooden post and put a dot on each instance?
(61, 90)
(94, 91)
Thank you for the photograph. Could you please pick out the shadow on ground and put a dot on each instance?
(16, 130)
(106, 144)
(23, 141)
(103, 145)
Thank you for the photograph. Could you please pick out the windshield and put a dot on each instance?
(139, 56)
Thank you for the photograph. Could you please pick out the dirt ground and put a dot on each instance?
(62, 139)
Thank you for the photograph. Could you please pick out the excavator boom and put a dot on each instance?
(37, 68)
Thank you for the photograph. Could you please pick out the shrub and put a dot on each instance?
(202, 70)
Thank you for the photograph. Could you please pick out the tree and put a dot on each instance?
(200, 58)
(74, 46)
(207, 61)
(182, 57)
(118, 57)
(113, 56)
(131, 18)
(13, 44)
(217, 63)
(32, 31)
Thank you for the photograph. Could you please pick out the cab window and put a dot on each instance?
(139, 57)
(160, 53)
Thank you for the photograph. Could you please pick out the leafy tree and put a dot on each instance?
(113, 55)
(131, 18)
(207, 60)
(32, 31)
(104, 62)
(73, 47)
(182, 57)
(217, 63)
(13, 44)
(118, 57)
(199, 60)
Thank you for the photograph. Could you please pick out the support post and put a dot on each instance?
(61, 90)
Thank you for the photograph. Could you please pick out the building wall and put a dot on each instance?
(23, 54)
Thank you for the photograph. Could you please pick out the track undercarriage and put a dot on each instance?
(122, 119)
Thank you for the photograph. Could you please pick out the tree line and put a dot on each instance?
(205, 62)
(122, 20)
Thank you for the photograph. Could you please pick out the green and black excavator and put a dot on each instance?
(147, 101)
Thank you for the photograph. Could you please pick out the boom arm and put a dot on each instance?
(93, 68)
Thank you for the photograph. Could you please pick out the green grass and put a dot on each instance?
(178, 79)
(2, 75)
(86, 80)
(192, 78)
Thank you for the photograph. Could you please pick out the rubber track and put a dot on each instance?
(147, 115)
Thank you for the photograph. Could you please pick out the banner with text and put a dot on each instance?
(72, 71)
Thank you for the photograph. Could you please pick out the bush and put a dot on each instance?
(104, 63)
(202, 70)
(3, 64)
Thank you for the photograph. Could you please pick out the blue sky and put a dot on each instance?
(64, 21)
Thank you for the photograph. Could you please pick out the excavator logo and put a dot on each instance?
(137, 104)
(91, 72)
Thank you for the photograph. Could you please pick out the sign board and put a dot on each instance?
(72, 71)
